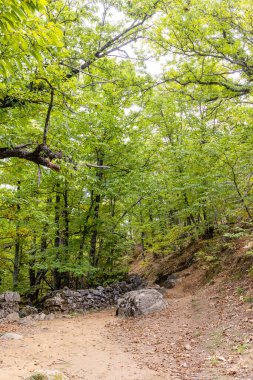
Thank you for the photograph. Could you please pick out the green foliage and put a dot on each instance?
(241, 348)
(240, 291)
(38, 376)
(153, 160)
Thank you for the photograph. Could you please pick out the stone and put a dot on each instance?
(12, 317)
(170, 282)
(82, 300)
(2, 297)
(140, 302)
(26, 320)
(28, 310)
(162, 290)
(70, 293)
(11, 336)
(56, 303)
(9, 304)
(47, 375)
(50, 317)
(11, 297)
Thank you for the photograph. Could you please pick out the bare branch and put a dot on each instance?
(98, 166)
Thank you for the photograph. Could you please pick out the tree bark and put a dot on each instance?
(17, 244)
(57, 275)
(97, 200)
(41, 155)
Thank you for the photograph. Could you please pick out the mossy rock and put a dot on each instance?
(47, 375)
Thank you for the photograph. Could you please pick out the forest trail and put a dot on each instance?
(77, 346)
(204, 334)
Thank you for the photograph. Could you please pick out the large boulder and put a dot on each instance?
(140, 302)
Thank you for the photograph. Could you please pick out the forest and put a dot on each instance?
(126, 126)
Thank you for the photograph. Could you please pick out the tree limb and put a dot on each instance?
(97, 166)
(41, 155)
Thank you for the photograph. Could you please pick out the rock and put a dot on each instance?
(11, 336)
(26, 320)
(50, 317)
(9, 305)
(28, 310)
(12, 317)
(47, 375)
(170, 282)
(140, 302)
(2, 297)
(159, 288)
(82, 300)
(11, 297)
(56, 303)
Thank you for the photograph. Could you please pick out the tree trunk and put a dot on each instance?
(142, 232)
(94, 234)
(57, 275)
(65, 236)
(17, 244)
(93, 240)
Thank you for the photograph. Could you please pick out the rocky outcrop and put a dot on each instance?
(67, 300)
(140, 302)
(9, 304)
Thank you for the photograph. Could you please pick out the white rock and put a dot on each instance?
(12, 297)
(11, 336)
(140, 302)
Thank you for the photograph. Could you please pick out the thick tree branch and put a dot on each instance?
(41, 155)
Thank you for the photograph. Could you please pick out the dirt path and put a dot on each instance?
(79, 347)
(203, 335)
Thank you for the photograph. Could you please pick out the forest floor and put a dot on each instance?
(206, 333)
